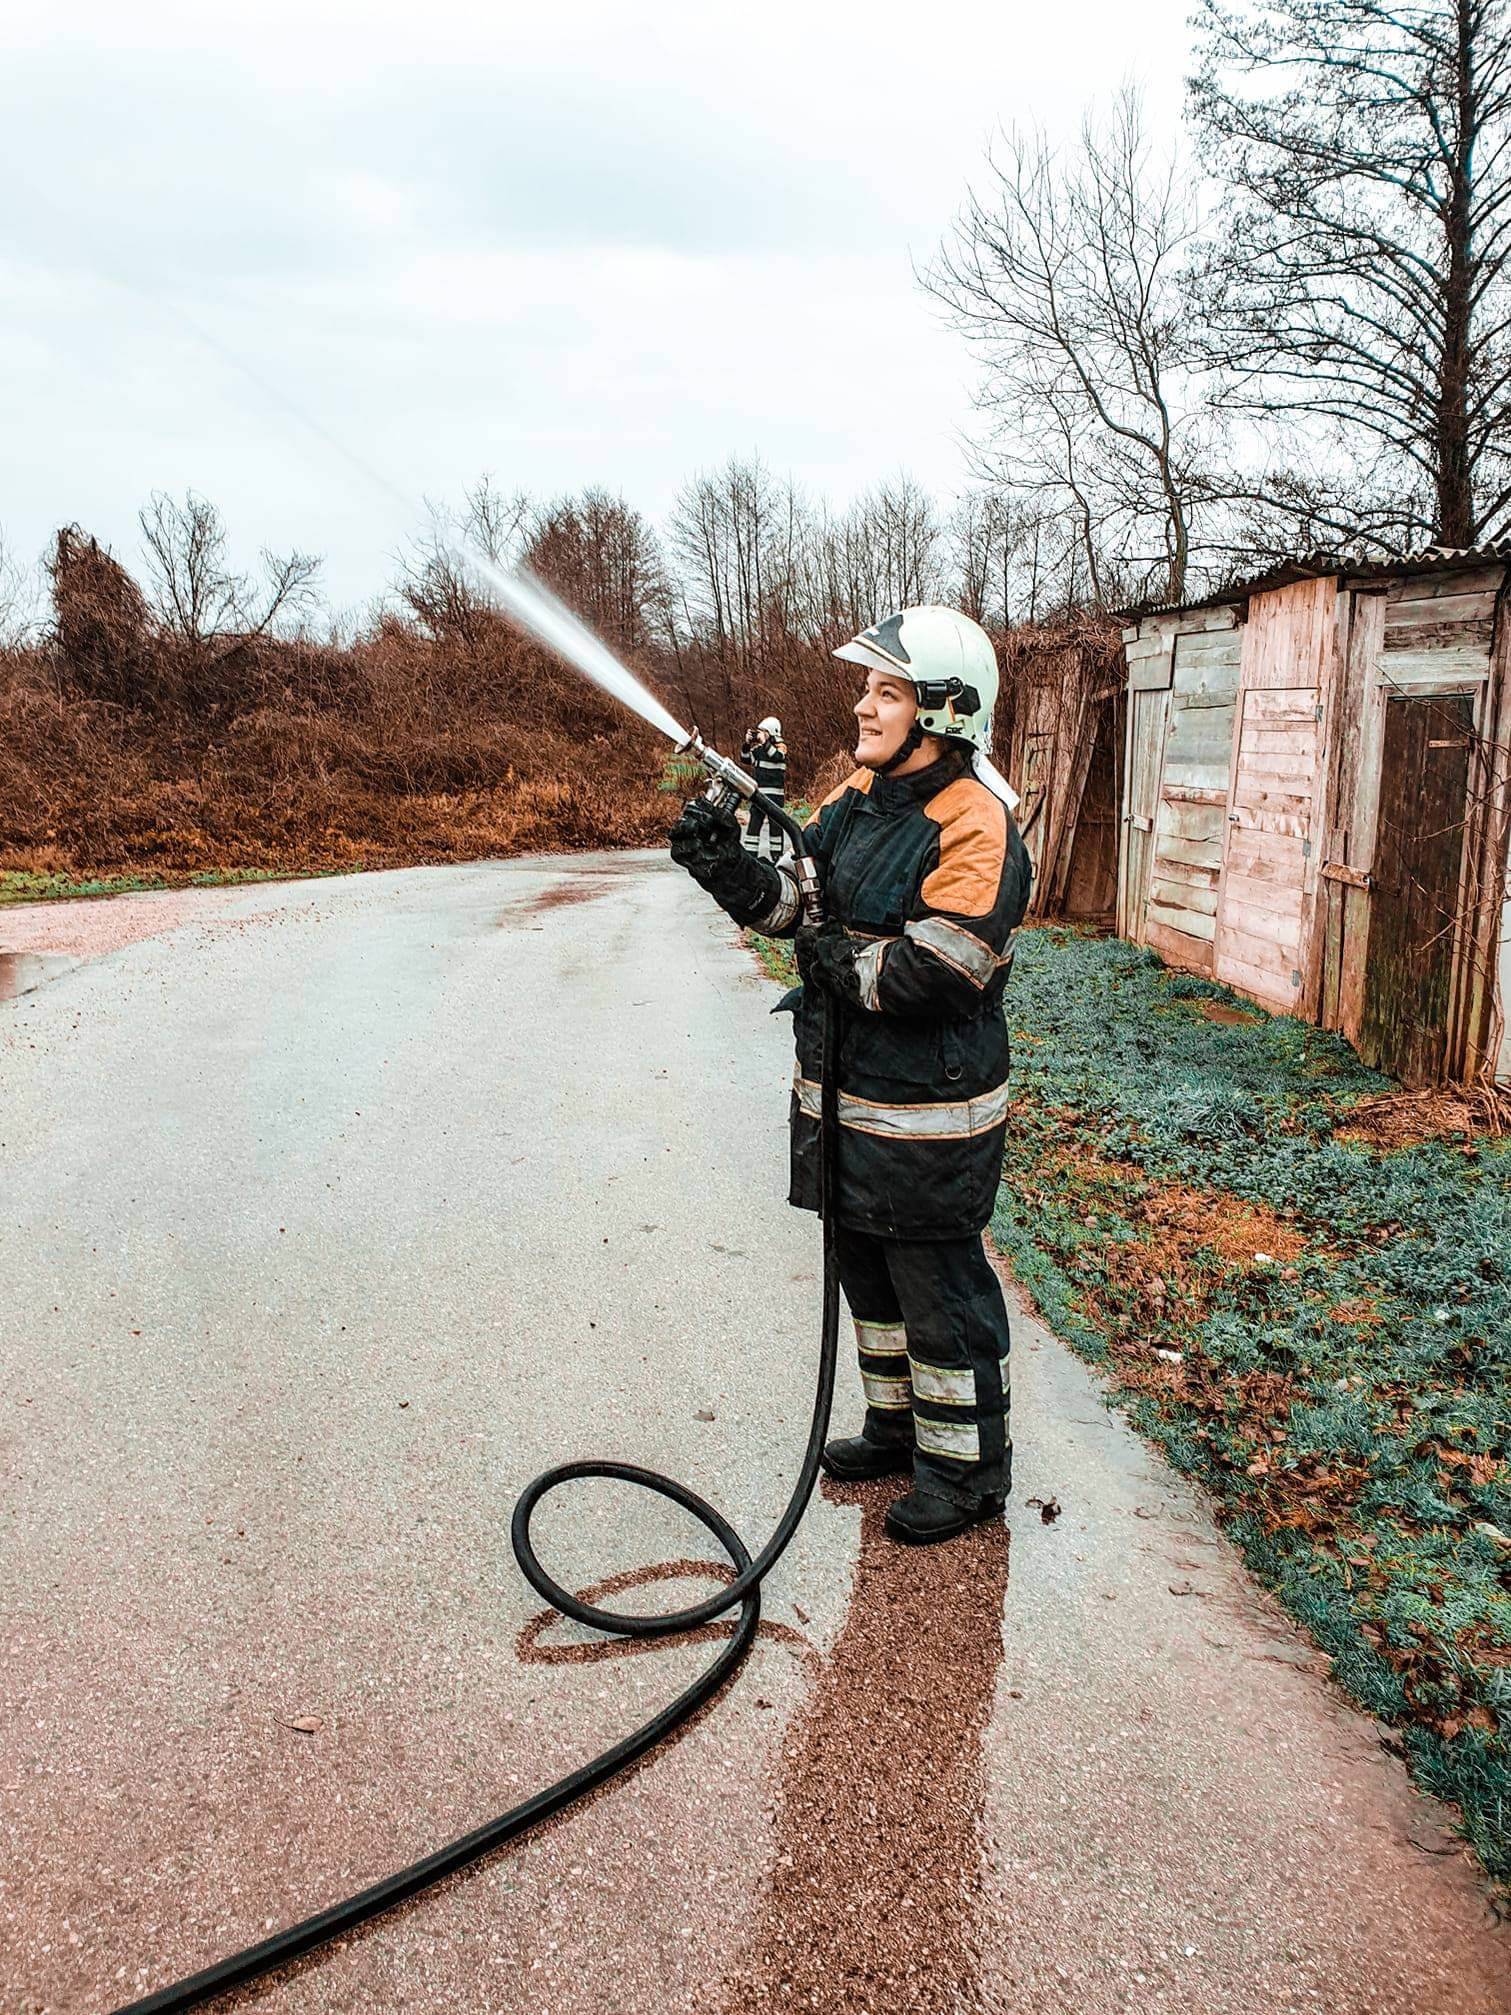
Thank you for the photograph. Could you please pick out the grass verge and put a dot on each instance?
(1315, 1327)
(21, 885)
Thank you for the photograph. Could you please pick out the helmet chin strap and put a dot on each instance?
(912, 740)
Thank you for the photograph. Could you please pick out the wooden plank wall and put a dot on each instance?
(1191, 822)
(1267, 940)
(1353, 816)
(1298, 693)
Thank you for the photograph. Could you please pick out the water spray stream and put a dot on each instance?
(536, 609)
(525, 599)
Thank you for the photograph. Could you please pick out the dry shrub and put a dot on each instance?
(104, 627)
(123, 750)
(830, 776)
(128, 745)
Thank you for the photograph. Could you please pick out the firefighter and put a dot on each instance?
(925, 879)
(764, 755)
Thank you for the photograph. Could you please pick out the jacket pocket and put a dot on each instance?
(883, 1051)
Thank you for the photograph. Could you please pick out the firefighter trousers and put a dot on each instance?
(931, 1329)
(758, 825)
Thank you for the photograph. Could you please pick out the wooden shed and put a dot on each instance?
(1064, 688)
(1316, 800)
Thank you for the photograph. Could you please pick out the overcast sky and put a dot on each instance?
(593, 240)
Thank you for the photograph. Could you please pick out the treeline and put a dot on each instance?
(733, 608)
(190, 714)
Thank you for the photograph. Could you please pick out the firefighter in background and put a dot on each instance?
(764, 755)
(924, 880)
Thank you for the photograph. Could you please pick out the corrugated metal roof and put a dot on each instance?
(1355, 567)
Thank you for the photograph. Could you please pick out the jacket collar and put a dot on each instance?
(889, 794)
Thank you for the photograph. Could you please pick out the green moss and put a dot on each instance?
(775, 958)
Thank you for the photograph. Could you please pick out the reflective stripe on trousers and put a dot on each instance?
(931, 1329)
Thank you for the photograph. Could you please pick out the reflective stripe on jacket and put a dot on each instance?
(929, 874)
(768, 765)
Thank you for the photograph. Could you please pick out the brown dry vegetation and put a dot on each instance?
(186, 731)
(126, 747)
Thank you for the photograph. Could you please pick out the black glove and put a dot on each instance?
(826, 956)
(706, 841)
(703, 837)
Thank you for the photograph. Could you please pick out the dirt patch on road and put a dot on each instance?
(91, 926)
(874, 1900)
(560, 895)
(533, 1645)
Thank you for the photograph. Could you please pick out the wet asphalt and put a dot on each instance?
(333, 1212)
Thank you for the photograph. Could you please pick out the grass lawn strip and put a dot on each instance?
(1318, 1330)
(24, 885)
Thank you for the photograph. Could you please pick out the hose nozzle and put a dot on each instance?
(728, 785)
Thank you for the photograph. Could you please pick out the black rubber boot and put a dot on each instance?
(921, 1520)
(855, 1459)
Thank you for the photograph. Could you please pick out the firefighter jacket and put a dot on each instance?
(768, 765)
(929, 874)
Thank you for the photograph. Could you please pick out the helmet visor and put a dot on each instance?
(859, 652)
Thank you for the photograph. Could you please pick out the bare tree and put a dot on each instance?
(1066, 272)
(195, 591)
(900, 524)
(497, 525)
(1360, 283)
(739, 541)
(998, 549)
(438, 589)
(437, 580)
(18, 599)
(603, 559)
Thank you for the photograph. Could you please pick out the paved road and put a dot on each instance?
(332, 1213)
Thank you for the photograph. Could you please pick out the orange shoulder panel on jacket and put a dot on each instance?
(858, 780)
(972, 825)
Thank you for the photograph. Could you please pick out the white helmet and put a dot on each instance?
(770, 726)
(948, 659)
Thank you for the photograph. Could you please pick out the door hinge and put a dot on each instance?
(1306, 850)
(1351, 878)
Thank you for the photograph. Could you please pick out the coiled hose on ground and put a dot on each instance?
(744, 1590)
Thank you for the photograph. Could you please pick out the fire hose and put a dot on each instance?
(727, 785)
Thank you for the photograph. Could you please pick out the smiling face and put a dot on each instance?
(885, 710)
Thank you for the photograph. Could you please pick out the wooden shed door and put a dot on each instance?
(1149, 719)
(1267, 865)
(1419, 858)
(1091, 882)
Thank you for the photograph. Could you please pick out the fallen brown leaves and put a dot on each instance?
(1408, 1118)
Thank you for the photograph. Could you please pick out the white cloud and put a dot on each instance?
(593, 243)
